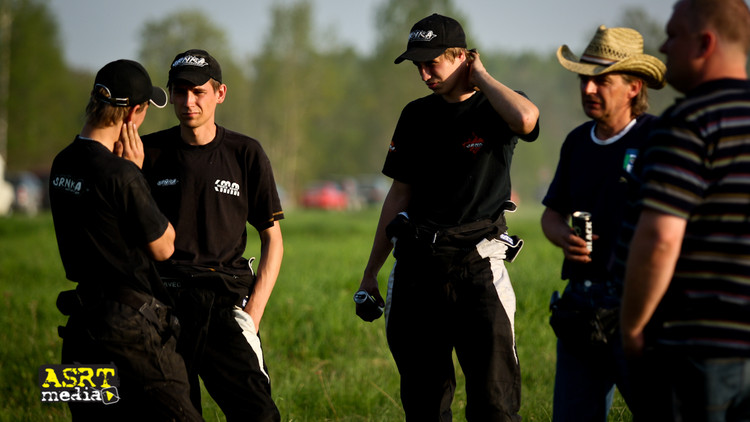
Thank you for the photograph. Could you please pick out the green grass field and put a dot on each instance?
(325, 363)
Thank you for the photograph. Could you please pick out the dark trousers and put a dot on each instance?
(590, 362)
(438, 302)
(673, 386)
(153, 380)
(219, 345)
(585, 381)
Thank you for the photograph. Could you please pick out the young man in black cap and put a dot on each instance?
(450, 163)
(211, 182)
(108, 229)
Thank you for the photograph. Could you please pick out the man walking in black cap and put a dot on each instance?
(211, 182)
(108, 229)
(450, 161)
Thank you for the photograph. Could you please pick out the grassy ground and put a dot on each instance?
(325, 363)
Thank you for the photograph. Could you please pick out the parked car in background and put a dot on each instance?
(29, 193)
(373, 188)
(327, 195)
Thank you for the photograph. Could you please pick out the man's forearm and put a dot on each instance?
(654, 251)
(269, 266)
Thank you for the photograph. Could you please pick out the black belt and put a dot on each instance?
(599, 285)
(191, 282)
(72, 302)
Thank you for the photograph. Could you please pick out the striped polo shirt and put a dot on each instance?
(698, 168)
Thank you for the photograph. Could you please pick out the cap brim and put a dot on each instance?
(647, 67)
(159, 97)
(195, 78)
(419, 54)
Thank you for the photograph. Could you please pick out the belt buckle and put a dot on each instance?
(429, 234)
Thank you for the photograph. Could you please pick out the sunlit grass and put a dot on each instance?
(325, 363)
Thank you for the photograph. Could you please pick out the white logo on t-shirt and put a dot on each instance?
(225, 186)
(68, 184)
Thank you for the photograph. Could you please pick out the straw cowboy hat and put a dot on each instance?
(615, 50)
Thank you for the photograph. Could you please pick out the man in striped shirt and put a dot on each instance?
(686, 304)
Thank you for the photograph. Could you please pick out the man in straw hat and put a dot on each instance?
(108, 231)
(614, 75)
(450, 163)
(687, 289)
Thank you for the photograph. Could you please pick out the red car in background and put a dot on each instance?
(326, 196)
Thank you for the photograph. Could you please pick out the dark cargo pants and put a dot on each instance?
(219, 343)
(440, 299)
(153, 379)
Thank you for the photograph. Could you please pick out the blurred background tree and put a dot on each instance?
(45, 101)
(321, 110)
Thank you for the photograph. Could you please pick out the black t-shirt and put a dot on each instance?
(104, 216)
(209, 192)
(455, 156)
(592, 177)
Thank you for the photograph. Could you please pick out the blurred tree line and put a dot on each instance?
(320, 109)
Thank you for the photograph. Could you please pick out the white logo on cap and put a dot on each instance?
(422, 35)
(190, 61)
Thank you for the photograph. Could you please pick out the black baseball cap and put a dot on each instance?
(194, 66)
(431, 36)
(125, 83)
